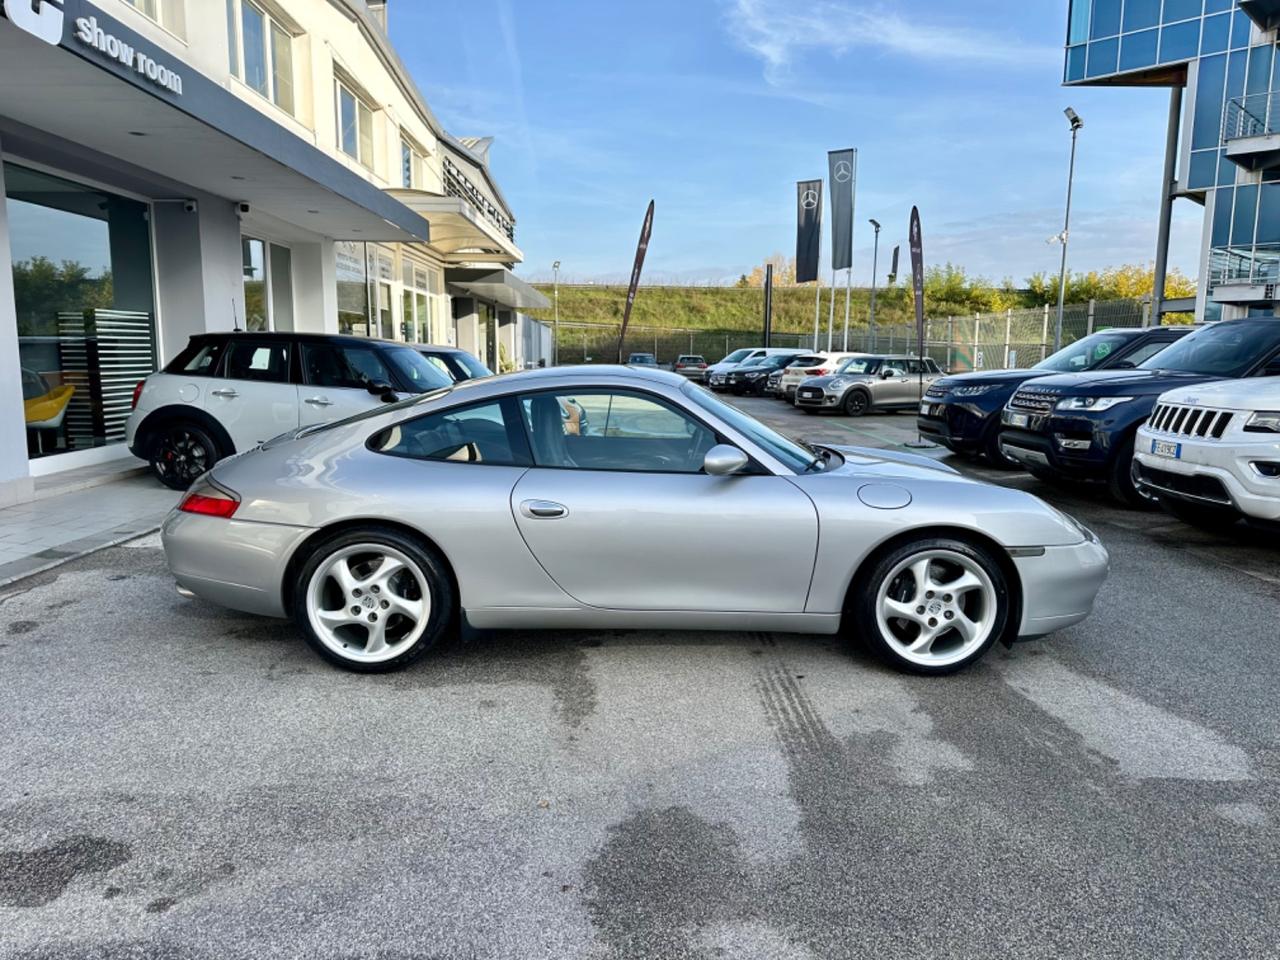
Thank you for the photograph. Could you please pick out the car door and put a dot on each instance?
(893, 384)
(620, 514)
(252, 395)
(335, 378)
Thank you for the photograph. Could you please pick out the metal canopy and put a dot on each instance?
(497, 286)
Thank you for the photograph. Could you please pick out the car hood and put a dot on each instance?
(1252, 393)
(989, 378)
(1117, 383)
(876, 462)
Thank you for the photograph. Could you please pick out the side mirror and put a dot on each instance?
(887, 374)
(724, 460)
(382, 390)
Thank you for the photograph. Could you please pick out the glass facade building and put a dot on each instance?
(1224, 53)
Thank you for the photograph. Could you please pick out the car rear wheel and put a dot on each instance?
(373, 600)
(934, 606)
(181, 452)
(857, 403)
(1201, 515)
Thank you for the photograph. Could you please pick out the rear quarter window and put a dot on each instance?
(198, 359)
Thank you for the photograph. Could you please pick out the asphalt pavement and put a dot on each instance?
(181, 781)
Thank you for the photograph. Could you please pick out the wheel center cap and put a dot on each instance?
(935, 607)
(368, 602)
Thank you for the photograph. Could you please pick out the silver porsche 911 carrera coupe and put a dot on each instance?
(608, 497)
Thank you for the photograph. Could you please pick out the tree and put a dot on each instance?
(1128, 282)
(43, 289)
(784, 272)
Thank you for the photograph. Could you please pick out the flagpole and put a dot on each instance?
(817, 311)
(848, 292)
(853, 218)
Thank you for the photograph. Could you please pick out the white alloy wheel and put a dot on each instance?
(368, 602)
(935, 608)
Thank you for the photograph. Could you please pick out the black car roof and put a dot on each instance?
(316, 337)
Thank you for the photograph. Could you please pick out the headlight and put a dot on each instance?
(754, 376)
(1264, 421)
(1095, 404)
(971, 391)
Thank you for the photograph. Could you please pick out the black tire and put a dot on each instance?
(432, 567)
(991, 450)
(181, 451)
(1121, 483)
(1203, 515)
(867, 622)
(856, 402)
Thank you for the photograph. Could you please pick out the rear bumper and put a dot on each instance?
(1059, 588)
(234, 563)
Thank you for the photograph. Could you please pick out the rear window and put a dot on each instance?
(808, 362)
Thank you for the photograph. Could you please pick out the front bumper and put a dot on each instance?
(234, 563)
(950, 424)
(716, 381)
(1059, 587)
(818, 398)
(1212, 472)
(1044, 448)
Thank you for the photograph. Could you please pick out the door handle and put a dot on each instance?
(318, 402)
(225, 392)
(543, 510)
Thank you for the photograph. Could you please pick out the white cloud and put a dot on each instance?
(776, 30)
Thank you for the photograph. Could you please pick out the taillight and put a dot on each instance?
(679, 366)
(815, 372)
(210, 500)
(137, 393)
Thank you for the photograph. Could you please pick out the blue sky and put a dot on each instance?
(715, 107)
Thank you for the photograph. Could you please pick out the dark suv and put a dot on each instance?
(962, 413)
(1082, 426)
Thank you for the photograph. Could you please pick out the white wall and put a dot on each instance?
(315, 287)
(15, 475)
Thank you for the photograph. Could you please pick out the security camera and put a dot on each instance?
(243, 208)
(190, 206)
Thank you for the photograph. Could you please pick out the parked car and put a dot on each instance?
(1084, 426)
(962, 412)
(691, 365)
(773, 384)
(1211, 453)
(227, 392)
(810, 365)
(458, 364)
(869, 383)
(642, 360)
(718, 373)
(750, 380)
(374, 532)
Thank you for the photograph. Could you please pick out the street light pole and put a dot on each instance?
(875, 260)
(1076, 124)
(555, 295)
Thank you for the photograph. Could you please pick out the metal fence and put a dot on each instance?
(1014, 338)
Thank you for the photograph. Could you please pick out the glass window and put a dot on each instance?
(1223, 350)
(1075, 63)
(613, 430)
(253, 258)
(1146, 352)
(1258, 78)
(439, 364)
(791, 454)
(1138, 50)
(281, 68)
(233, 41)
(342, 365)
(1078, 21)
(1106, 19)
(353, 288)
(417, 371)
(1269, 214)
(366, 133)
(1246, 211)
(859, 366)
(478, 434)
(1084, 354)
(355, 126)
(1222, 217)
(281, 273)
(406, 165)
(1180, 41)
(197, 359)
(737, 356)
(1216, 35)
(1175, 10)
(1203, 172)
(168, 13)
(1103, 57)
(256, 360)
(1241, 30)
(253, 27)
(1206, 130)
(1140, 14)
(386, 317)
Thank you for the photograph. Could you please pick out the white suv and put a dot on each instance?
(228, 392)
(1211, 453)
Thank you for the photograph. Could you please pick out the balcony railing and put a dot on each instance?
(1254, 115)
(456, 184)
(1258, 264)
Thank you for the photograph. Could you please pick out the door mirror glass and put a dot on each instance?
(724, 460)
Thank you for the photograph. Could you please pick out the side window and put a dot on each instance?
(476, 434)
(915, 367)
(893, 368)
(931, 365)
(1272, 368)
(613, 430)
(342, 365)
(1146, 351)
(438, 364)
(198, 359)
(256, 360)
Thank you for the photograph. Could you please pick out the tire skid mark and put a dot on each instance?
(790, 712)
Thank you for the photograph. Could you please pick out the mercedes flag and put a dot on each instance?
(843, 167)
(808, 229)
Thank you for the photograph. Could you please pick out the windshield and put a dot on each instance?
(473, 366)
(787, 451)
(1222, 350)
(416, 370)
(1084, 354)
(737, 356)
(858, 365)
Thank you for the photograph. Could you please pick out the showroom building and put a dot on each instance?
(1218, 57)
(178, 166)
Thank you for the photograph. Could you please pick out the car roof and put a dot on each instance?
(589, 370)
(318, 337)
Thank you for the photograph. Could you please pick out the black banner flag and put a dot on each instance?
(808, 229)
(641, 249)
(917, 284)
(843, 167)
(893, 274)
(768, 304)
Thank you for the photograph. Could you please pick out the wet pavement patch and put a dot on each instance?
(34, 878)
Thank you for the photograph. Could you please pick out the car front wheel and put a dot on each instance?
(934, 606)
(372, 600)
(181, 452)
(857, 403)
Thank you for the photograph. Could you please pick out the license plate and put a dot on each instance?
(1017, 419)
(1166, 448)
(924, 408)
